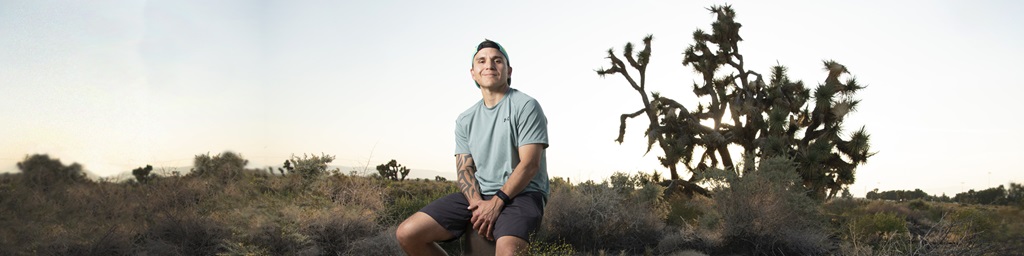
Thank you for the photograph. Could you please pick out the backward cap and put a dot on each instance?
(487, 43)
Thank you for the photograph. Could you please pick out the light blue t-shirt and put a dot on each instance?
(493, 137)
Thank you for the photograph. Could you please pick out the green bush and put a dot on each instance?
(881, 224)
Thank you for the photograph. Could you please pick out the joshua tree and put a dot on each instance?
(738, 108)
(392, 169)
(143, 174)
(287, 167)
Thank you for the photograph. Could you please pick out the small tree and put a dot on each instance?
(143, 174)
(392, 169)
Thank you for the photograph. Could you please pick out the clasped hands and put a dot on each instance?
(485, 213)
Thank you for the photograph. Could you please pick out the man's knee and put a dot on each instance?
(511, 245)
(419, 228)
(406, 231)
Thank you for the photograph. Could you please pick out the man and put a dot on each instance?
(502, 172)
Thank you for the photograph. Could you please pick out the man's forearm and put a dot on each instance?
(528, 167)
(468, 184)
(521, 177)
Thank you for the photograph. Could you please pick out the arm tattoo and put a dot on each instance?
(467, 176)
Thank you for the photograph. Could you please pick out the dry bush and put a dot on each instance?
(333, 232)
(407, 197)
(685, 238)
(184, 233)
(224, 167)
(45, 173)
(114, 240)
(696, 227)
(766, 212)
(358, 192)
(593, 217)
(878, 206)
(384, 243)
(170, 194)
(277, 240)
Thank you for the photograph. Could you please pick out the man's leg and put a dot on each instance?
(517, 222)
(418, 235)
(510, 245)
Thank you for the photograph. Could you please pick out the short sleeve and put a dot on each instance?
(462, 135)
(532, 125)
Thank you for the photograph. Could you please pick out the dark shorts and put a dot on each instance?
(519, 219)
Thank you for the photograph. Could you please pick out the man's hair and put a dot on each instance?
(487, 43)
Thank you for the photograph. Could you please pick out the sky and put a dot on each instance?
(114, 85)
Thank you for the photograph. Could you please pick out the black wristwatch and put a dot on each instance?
(504, 197)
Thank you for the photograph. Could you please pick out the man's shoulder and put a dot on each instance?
(521, 99)
(468, 113)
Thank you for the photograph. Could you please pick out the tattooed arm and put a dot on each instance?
(467, 178)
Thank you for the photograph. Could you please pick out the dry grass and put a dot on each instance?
(252, 213)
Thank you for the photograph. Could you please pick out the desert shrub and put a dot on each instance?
(111, 241)
(767, 212)
(355, 192)
(684, 209)
(41, 171)
(880, 224)
(682, 239)
(546, 248)
(973, 221)
(224, 166)
(592, 217)
(164, 195)
(918, 204)
(889, 207)
(333, 232)
(405, 198)
(184, 233)
(273, 239)
(384, 243)
(312, 166)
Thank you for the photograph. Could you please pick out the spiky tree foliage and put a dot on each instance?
(778, 118)
(392, 169)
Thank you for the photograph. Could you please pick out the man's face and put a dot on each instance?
(490, 68)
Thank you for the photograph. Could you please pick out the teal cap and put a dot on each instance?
(492, 44)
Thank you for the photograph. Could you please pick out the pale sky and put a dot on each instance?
(115, 85)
